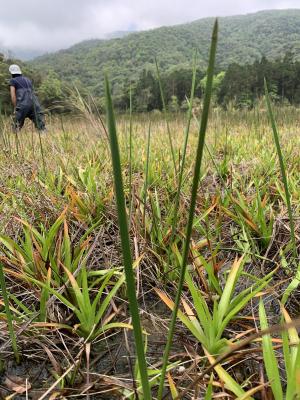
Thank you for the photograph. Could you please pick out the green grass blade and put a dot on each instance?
(56, 293)
(44, 298)
(108, 298)
(282, 170)
(83, 282)
(67, 248)
(182, 165)
(50, 236)
(238, 304)
(130, 154)
(81, 301)
(166, 117)
(199, 305)
(200, 147)
(103, 286)
(146, 172)
(229, 382)
(130, 278)
(290, 346)
(189, 119)
(192, 324)
(42, 152)
(8, 315)
(228, 289)
(292, 286)
(209, 390)
(270, 361)
(293, 386)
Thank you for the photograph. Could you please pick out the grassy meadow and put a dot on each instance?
(66, 327)
(152, 256)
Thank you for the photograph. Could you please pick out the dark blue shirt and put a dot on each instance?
(24, 91)
(20, 82)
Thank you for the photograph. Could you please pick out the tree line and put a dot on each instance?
(240, 86)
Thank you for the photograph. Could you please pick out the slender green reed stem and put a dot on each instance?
(2, 127)
(296, 280)
(98, 113)
(40, 139)
(125, 242)
(17, 142)
(63, 129)
(218, 170)
(130, 155)
(42, 152)
(282, 170)
(32, 145)
(200, 147)
(146, 173)
(9, 141)
(182, 165)
(166, 117)
(8, 315)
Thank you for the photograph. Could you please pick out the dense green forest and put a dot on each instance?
(243, 39)
(239, 85)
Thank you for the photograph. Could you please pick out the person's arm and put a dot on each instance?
(13, 96)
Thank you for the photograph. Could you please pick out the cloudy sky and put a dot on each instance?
(48, 25)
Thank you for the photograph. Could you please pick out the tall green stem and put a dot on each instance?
(295, 282)
(146, 173)
(186, 136)
(200, 147)
(130, 154)
(8, 315)
(166, 118)
(125, 243)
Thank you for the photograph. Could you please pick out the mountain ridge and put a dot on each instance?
(242, 39)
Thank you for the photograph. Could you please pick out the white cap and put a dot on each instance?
(15, 69)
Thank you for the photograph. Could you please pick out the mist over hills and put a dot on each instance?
(28, 54)
(242, 39)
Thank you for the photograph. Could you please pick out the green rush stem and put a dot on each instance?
(166, 117)
(40, 140)
(146, 174)
(42, 152)
(130, 155)
(282, 169)
(200, 147)
(8, 315)
(17, 142)
(186, 136)
(125, 243)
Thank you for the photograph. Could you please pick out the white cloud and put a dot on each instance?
(47, 25)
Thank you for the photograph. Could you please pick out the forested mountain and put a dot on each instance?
(243, 39)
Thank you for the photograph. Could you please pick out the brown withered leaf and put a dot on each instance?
(17, 384)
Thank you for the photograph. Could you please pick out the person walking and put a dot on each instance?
(25, 102)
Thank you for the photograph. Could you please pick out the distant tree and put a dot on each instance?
(5, 104)
(217, 82)
(236, 87)
(178, 82)
(173, 105)
(244, 84)
(51, 92)
(146, 95)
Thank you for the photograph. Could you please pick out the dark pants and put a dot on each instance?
(33, 112)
